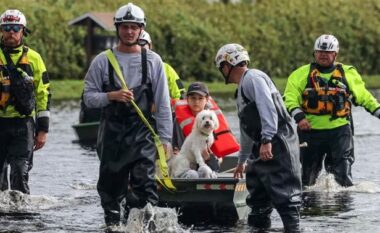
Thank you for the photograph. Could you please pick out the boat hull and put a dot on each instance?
(220, 200)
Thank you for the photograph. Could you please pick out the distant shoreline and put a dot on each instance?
(72, 89)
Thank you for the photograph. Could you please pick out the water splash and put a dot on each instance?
(327, 183)
(12, 201)
(364, 187)
(151, 220)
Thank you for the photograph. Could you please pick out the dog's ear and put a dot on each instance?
(197, 121)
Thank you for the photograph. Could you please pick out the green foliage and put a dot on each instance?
(72, 89)
(66, 89)
(278, 34)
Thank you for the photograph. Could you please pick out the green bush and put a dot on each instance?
(278, 34)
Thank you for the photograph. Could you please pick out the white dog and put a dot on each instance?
(184, 164)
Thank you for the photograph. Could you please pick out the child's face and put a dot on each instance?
(196, 102)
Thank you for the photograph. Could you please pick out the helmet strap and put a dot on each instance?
(227, 77)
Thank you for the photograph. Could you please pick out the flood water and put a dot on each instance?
(64, 197)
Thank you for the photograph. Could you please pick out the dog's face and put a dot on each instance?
(206, 121)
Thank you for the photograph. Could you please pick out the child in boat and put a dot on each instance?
(197, 98)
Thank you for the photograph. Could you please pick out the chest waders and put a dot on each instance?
(125, 148)
(277, 182)
(160, 149)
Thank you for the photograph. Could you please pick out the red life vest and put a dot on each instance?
(225, 142)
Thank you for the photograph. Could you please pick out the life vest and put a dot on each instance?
(16, 86)
(225, 142)
(327, 98)
(5, 89)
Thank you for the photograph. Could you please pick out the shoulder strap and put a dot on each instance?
(245, 99)
(342, 73)
(144, 66)
(110, 74)
(112, 59)
(310, 78)
(9, 60)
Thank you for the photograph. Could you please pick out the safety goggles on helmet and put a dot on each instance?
(9, 27)
(328, 43)
(130, 13)
(13, 17)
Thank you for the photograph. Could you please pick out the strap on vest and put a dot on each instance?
(337, 79)
(160, 148)
(9, 60)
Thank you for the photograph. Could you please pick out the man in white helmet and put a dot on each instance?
(24, 95)
(125, 146)
(267, 138)
(319, 97)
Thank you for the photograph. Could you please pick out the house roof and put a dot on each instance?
(103, 20)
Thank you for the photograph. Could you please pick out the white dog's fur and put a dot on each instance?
(184, 164)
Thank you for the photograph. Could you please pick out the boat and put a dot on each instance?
(219, 201)
(87, 133)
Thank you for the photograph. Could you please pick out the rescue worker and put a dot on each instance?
(125, 146)
(24, 91)
(268, 138)
(176, 88)
(318, 96)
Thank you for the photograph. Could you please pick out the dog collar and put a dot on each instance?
(205, 134)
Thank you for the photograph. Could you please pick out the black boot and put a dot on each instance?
(260, 218)
(290, 217)
(112, 217)
(342, 173)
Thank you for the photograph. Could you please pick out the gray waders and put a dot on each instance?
(277, 182)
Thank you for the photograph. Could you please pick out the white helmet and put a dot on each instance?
(130, 13)
(145, 38)
(231, 53)
(13, 17)
(327, 43)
